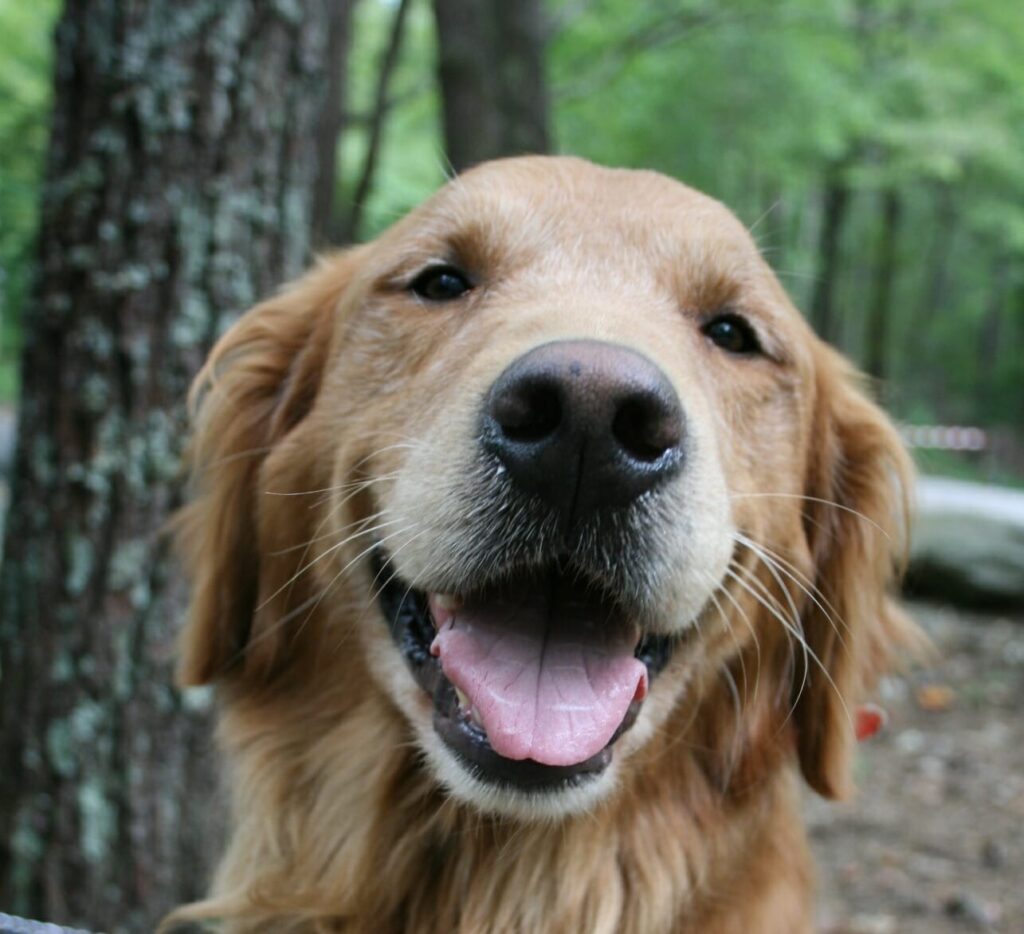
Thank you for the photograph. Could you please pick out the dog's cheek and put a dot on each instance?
(389, 670)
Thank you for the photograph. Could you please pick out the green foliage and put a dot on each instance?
(25, 90)
(760, 104)
(412, 162)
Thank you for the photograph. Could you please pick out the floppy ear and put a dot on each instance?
(856, 523)
(257, 386)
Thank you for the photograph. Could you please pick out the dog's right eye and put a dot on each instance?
(440, 283)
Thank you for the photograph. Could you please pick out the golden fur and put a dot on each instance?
(331, 391)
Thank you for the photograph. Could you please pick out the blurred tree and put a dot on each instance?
(348, 229)
(880, 310)
(25, 91)
(491, 71)
(177, 191)
(802, 116)
(325, 222)
(835, 209)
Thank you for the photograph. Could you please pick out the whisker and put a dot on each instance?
(338, 488)
(316, 599)
(753, 633)
(815, 499)
(778, 580)
(355, 560)
(389, 560)
(791, 627)
(753, 227)
(735, 641)
(794, 574)
(302, 570)
(737, 707)
(318, 538)
(796, 633)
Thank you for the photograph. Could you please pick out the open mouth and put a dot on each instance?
(533, 678)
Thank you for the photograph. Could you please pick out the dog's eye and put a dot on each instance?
(440, 283)
(732, 333)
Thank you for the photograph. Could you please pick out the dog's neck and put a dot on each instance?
(382, 848)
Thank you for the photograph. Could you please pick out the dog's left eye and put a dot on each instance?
(440, 283)
(732, 333)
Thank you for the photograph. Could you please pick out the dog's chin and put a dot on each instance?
(559, 774)
(473, 788)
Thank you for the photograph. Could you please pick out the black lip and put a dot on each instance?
(408, 617)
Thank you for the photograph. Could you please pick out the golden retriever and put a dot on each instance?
(536, 547)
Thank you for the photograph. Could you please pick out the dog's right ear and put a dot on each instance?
(257, 386)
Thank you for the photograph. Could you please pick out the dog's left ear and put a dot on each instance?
(249, 402)
(856, 522)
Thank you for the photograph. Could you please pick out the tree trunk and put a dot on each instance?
(178, 191)
(522, 100)
(835, 204)
(325, 224)
(991, 342)
(491, 70)
(350, 228)
(880, 310)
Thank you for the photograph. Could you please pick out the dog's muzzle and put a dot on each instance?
(584, 426)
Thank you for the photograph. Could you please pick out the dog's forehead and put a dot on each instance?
(564, 200)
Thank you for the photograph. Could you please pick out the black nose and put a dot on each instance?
(584, 425)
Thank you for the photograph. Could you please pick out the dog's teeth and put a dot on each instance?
(463, 699)
(448, 601)
(474, 716)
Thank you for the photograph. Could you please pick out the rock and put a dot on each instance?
(968, 544)
(993, 855)
(11, 925)
(966, 907)
(871, 924)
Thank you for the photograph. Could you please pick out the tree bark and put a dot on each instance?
(522, 91)
(880, 311)
(835, 204)
(491, 72)
(178, 191)
(326, 228)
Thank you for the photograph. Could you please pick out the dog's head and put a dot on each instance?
(556, 467)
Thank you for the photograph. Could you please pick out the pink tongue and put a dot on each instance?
(551, 680)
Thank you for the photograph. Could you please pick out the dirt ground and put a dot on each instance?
(935, 840)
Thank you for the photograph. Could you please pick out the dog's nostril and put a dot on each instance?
(645, 428)
(584, 425)
(529, 412)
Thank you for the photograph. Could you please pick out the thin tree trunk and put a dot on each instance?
(835, 205)
(325, 226)
(467, 75)
(376, 130)
(880, 311)
(522, 90)
(1016, 365)
(936, 291)
(178, 190)
(990, 334)
(491, 71)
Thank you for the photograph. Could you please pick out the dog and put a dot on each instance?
(537, 548)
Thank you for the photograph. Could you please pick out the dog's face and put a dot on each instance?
(543, 462)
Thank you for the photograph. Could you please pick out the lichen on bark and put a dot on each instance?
(177, 192)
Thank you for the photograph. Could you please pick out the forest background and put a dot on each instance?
(872, 146)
